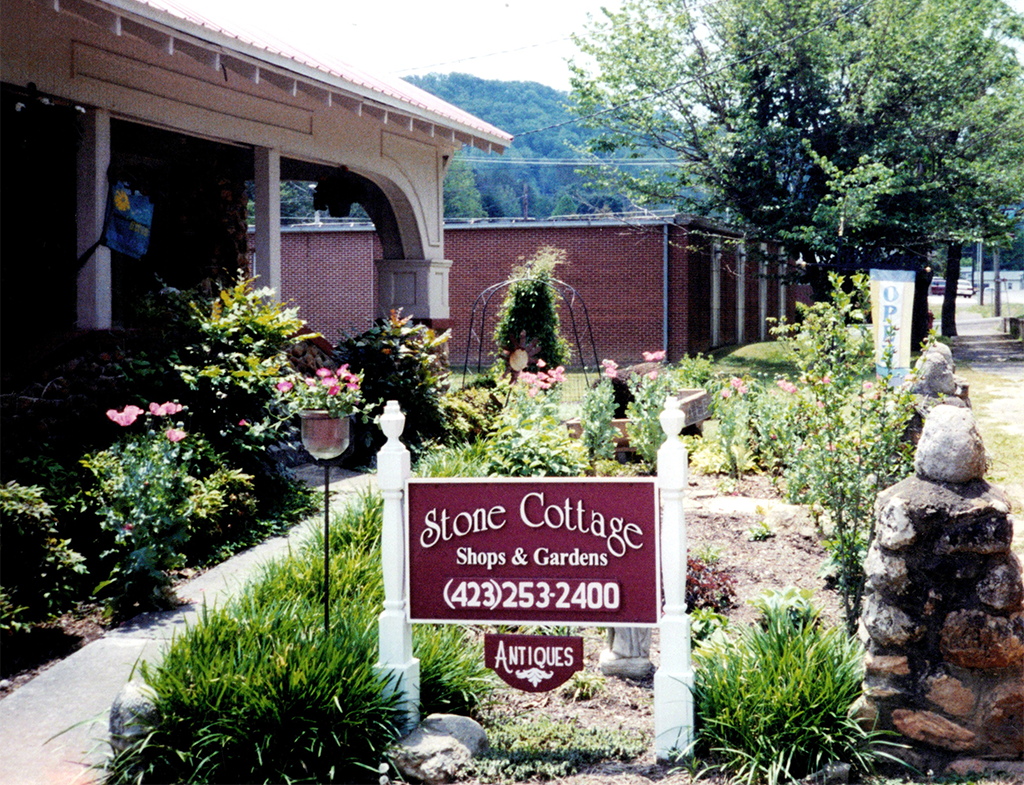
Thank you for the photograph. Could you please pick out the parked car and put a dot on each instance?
(964, 288)
(938, 286)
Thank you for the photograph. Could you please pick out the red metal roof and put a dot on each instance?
(233, 33)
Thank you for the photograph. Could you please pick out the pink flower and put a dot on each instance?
(611, 368)
(126, 417)
(654, 357)
(334, 389)
(541, 363)
(162, 409)
(174, 435)
(869, 386)
(826, 379)
(284, 386)
(652, 375)
(738, 385)
(324, 372)
(786, 386)
(353, 385)
(329, 381)
(243, 423)
(726, 393)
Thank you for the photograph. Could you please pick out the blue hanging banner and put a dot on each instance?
(129, 220)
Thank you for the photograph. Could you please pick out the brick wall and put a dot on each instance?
(329, 274)
(616, 269)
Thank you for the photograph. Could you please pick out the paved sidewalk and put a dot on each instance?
(73, 697)
(982, 344)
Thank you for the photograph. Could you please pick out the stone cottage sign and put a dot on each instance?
(533, 551)
(538, 550)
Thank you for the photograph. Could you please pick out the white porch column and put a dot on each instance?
(394, 630)
(418, 286)
(673, 683)
(268, 219)
(94, 279)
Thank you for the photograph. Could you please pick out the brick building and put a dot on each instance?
(680, 283)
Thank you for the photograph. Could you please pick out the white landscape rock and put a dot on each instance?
(950, 449)
(439, 749)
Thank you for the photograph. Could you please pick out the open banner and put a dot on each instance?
(892, 312)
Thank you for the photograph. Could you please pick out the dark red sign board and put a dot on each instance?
(533, 663)
(533, 551)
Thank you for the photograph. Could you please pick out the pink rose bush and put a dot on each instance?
(144, 492)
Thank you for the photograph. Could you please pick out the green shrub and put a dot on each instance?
(41, 574)
(543, 749)
(259, 694)
(229, 366)
(775, 428)
(597, 411)
(530, 309)
(404, 362)
(255, 692)
(852, 429)
(459, 460)
(453, 679)
(145, 503)
(469, 412)
(772, 702)
(644, 428)
(224, 509)
(530, 439)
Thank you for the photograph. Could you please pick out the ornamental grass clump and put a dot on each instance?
(772, 701)
(257, 692)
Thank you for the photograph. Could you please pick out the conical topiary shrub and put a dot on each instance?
(531, 312)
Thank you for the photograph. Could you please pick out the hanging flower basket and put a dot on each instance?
(324, 436)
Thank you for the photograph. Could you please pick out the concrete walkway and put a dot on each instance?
(73, 697)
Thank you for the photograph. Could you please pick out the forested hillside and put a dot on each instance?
(538, 175)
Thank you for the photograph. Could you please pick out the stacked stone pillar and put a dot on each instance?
(943, 620)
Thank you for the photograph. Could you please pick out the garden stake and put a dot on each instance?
(327, 550)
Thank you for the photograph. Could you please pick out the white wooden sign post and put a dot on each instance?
(394, 629)
(596, 536)
(673, 682)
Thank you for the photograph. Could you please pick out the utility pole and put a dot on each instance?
(996, 299)
(979, 252)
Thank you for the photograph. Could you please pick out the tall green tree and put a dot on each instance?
(892, 124)
(461, 196)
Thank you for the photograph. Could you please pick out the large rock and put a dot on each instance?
(934, 729)
(887, 625)
(439, 749)
(934, 373)
(950, 449)
(975, 639)
(132, 716)
(1003, 718)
